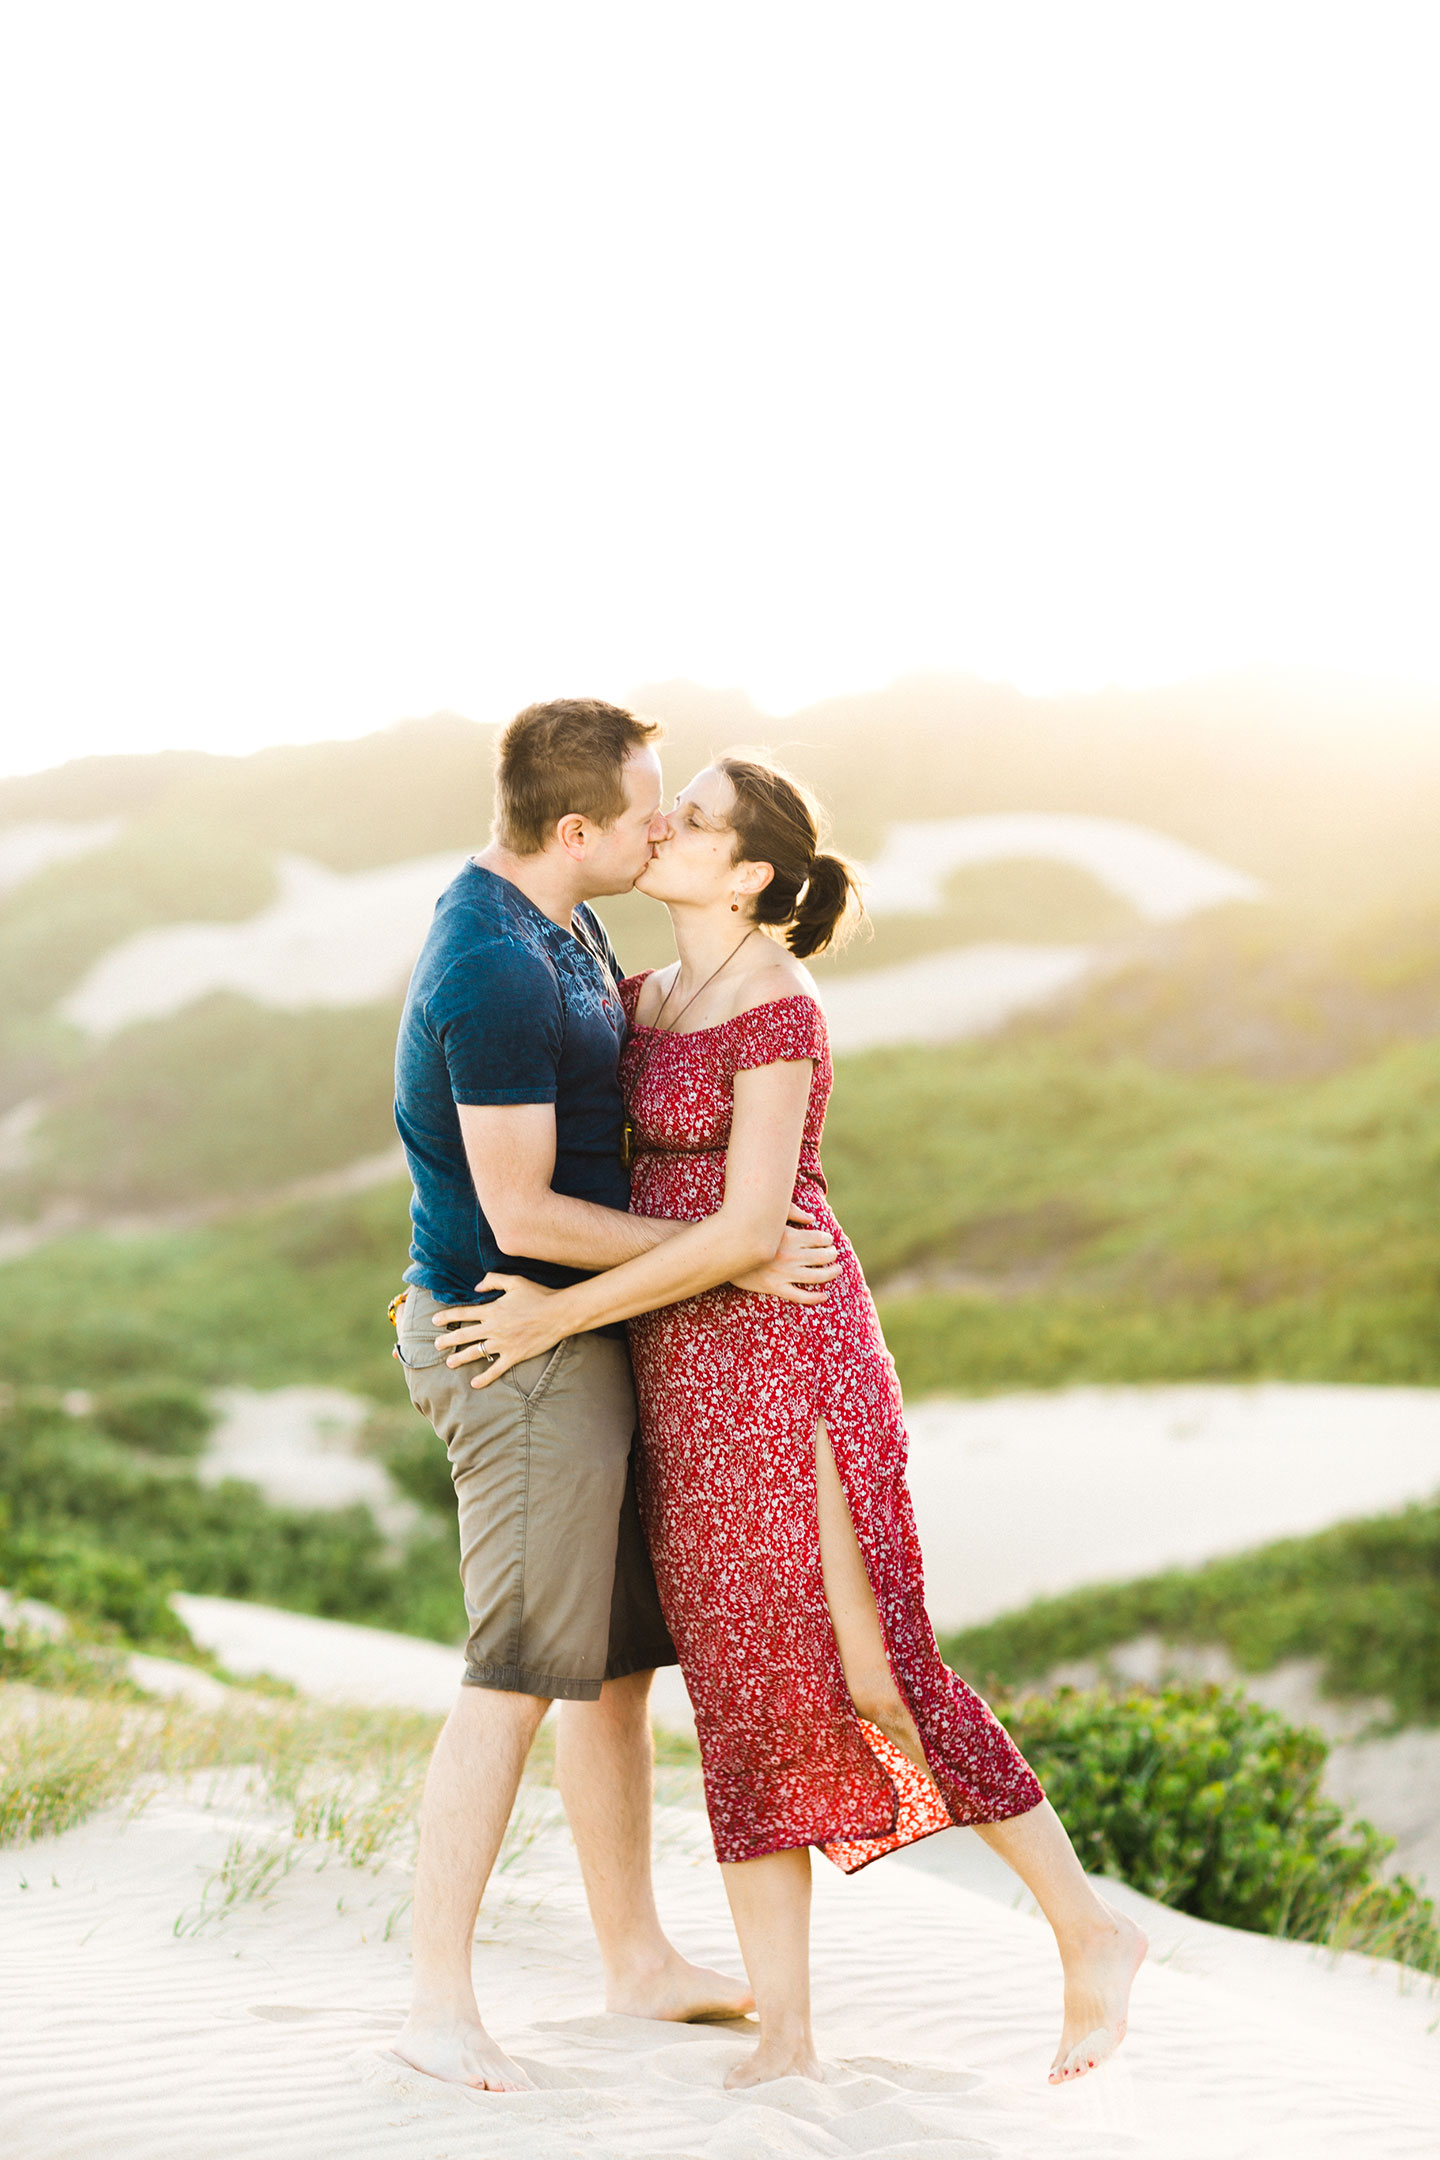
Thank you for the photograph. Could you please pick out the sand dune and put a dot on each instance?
(1161, 877)
(332, 938)
(27, 849)
(300, 1445)
(948, 996)
(146, 2020)
(1173, 1475)
(1022, 1496)
(329, 939)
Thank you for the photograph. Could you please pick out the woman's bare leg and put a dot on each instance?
(770, 1905)
(1100, 1949)
(853, 1613)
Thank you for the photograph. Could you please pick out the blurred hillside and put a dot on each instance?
(1217, 1149)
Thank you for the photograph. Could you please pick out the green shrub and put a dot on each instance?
(106, 1588)
(1206, 1801)
(106, 1532)
(1364, 1597)
(165, 1417)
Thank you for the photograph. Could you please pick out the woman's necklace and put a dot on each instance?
(627, 1129)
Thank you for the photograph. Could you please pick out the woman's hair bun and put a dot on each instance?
(776, 820)
(822, 905)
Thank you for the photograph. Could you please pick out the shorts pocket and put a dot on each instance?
(532, 1376)
(419, 1352)
(419, 1347)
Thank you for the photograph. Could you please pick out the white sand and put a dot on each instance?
(1172, 1475)
(1162, 878)
(332, 938)
(329, 939)
(331, 1659)
(300, 1445)
(947, 996)
(131, 2036)
(936, 1997)
(1022, 1496)
(27, 849)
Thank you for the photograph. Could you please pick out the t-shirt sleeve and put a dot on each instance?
(500, 1024)
(792, 1027)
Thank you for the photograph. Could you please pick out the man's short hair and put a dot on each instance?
(562, 759)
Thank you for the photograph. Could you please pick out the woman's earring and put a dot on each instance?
(734, 907)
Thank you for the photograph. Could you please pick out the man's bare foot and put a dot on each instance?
(679, 1993)
(776, 2059)
(458, 2051)
(1098, 1974)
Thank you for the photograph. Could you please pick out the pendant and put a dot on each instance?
(627, 1144)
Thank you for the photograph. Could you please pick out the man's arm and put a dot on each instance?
(510, 1148)
(770, 1108)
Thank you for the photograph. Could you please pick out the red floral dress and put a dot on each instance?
(731, 1387)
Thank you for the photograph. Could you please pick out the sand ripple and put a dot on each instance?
(132, 2034)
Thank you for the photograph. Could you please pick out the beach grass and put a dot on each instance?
(1194, 1797)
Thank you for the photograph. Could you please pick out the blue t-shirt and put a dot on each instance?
(505, 1007)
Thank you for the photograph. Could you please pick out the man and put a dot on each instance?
(508, 1103)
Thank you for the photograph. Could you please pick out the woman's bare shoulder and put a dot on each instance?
(782, 977)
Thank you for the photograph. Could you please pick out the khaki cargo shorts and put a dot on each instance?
(558, 1584)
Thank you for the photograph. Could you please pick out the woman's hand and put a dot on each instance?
(519, 1324)
(804, 1265)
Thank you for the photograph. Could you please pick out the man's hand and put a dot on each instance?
(805, 1264)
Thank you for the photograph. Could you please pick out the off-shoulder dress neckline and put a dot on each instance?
(647, 1027)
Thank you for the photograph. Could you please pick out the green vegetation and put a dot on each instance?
(1030, 1219)
(351, 1778)
(78, 1735)
(223, 1100)
(106, 1532)
(1364, 1597)
(261, 1300)
(1212, 1804)
(1062, 1221)
(164, 1417)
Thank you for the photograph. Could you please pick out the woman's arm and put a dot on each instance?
(760, 1165)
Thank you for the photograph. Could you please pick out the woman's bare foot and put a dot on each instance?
(458, 2051)
(679, 1993)
(1099, 1969)
(793, 2057)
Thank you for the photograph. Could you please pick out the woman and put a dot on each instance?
(773, 1446)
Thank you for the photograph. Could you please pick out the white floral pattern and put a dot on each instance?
(731, 1387)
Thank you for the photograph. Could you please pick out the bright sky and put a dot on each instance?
(367, 359)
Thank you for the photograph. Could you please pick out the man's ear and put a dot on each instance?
(571, 832)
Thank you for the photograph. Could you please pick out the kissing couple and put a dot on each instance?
(673, 1426)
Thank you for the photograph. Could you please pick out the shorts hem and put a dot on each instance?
(520, 1680)
(644, 1663)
